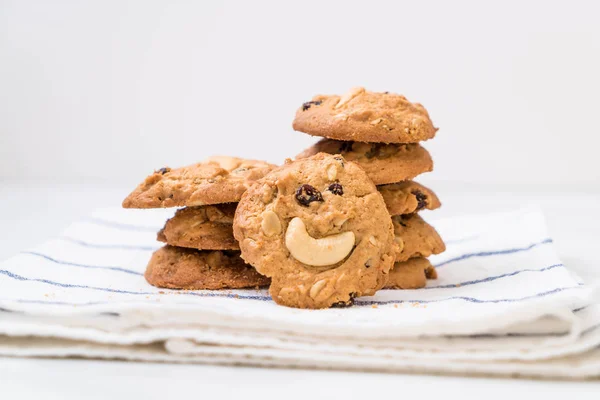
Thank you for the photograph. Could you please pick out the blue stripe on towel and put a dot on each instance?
(493, 278)
(459, 258)
(468, 299)
(72, 264)
(448, 286)
(267, 298)
(103, 289)
(494, 253)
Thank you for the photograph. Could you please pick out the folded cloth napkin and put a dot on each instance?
(503, 304)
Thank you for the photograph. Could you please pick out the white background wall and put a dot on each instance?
(107, 91)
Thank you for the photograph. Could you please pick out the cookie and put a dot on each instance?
(408, 197)
(411, 274)
(319, 228)
(178, 268)
(384, 163)
(416, 237)
(216, 180)
(365, 116)
(203, 228)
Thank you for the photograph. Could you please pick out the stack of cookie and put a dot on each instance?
(381, 133)
(200, 251)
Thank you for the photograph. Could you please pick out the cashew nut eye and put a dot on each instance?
(317, 252)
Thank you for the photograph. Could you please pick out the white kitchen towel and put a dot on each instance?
(503, 304)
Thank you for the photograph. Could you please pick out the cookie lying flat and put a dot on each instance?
(216, 180)
(203, 228)
(179, 268)
(416, 237)
(411, 274)
(319, 228)
(365, 117)
(408, 197)
(384, 163)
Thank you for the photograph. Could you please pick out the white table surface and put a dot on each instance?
(30, 214)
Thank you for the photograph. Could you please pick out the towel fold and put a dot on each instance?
(503, 304)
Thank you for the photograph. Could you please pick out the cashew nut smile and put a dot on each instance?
(317, 252)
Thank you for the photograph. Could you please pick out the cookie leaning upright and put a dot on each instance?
(320, 229)
(364, 116)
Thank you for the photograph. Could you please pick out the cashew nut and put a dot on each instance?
(317, 252)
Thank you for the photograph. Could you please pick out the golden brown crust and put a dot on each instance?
(365, 117)
(217, 180)
(342, 201)
(202, 228)
(416, 237)
(178, 268)
(408, 197)
(411, 274)
(383, 163)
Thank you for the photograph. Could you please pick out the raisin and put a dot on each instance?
(430, 273)
(307, 105)
(163, 171)
(404, 217)
(344, 304)
(375, 150)
(306, 194)
(421, 199)
(336, 188)
(346, 147)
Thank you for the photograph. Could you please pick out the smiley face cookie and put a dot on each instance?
(203, 227)
(383, 163)
(319, 228)
(365, 116)
(217, 180)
